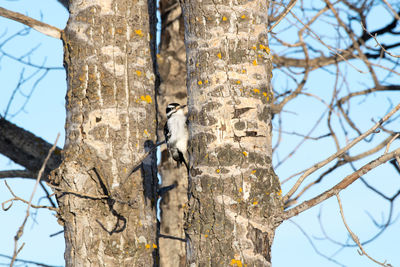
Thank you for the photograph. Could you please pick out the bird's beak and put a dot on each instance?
(183, 106)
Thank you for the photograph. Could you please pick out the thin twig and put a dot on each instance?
(392, 9)
(378, 43)
(283, 14)
(355, 237)
(315, 247)
(15, 197)
(21, 228)
(390, 142)
(48, 195)
(314, 35)
(296, 148)
(56, 233)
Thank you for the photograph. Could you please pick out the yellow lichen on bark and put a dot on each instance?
(235, 262)
(146, 98)
(139, 32)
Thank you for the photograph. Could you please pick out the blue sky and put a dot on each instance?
(44, 115)
(299, 116)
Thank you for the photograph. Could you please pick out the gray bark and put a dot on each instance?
(111, 121)
(236, 196)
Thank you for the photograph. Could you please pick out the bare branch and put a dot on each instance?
(355, 238)
(315, 36)
(34, 24)
(371, 151)
(348, 180)
(345, 54)
(338, 153)
(346, 159)
(368, 91)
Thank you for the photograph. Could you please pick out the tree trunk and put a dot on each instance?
(235, 194)
(172, 67)
(109, 215)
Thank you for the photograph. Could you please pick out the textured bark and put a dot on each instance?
(236, 198)
(111, 121)
(172, 67)
(26, 149)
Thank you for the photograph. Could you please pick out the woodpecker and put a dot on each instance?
(176, 133)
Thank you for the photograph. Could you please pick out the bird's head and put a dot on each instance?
(173, 108)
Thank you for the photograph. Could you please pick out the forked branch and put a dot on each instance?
(348, 180)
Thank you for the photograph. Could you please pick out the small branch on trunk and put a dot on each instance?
(34, 24)
(78, 194)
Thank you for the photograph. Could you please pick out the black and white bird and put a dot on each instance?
(176, 132)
